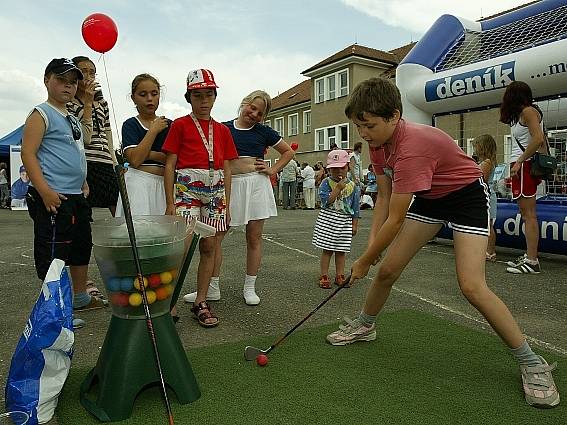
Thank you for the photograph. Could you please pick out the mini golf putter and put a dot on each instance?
(250, 353)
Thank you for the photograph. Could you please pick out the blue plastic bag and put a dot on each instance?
(42, 359)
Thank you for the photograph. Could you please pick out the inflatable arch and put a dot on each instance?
(463, 66)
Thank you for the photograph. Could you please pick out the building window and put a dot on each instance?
(293, 125)
(331, 84)
(268, 123)
(319, 90)
(343, 83)
(278, 126)
(306, 122)
(327, 136)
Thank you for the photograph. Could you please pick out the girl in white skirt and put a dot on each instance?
(337, 222)
(142, 139)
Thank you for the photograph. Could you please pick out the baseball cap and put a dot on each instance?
(22, 168)
(62, 66)
(337, 158)
(200, 79)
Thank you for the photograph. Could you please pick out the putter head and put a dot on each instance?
(204, 230)
(250, 353)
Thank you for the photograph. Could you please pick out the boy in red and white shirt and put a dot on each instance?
(199, 149)
(425, 181)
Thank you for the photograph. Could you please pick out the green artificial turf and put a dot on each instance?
(420, 370)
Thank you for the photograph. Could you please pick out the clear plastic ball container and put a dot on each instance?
(14, 418)
(161, 245)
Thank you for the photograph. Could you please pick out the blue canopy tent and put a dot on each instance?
(14, 138)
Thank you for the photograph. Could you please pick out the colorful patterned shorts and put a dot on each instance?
(201, 195)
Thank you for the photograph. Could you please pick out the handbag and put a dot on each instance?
(543, 165)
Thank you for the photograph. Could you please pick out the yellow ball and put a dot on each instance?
(137, 283)
(135, 299)
(151, 296)
(169, 289)
(166, 277)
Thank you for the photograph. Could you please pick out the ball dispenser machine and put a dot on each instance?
(126, 364)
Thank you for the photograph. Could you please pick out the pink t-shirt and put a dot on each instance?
(425, 161)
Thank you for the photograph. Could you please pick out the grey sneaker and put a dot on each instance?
(524, 266)
(517, 261)
(351, 332)
(539, 387)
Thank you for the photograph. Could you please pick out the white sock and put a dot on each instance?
(250, 291)
(214, 282)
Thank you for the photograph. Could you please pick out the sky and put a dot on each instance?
(256, 44)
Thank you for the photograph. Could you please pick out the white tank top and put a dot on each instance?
(521, 133)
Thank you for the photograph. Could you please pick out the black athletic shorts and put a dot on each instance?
(73, 238)
(465, 210)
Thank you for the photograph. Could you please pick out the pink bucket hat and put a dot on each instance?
(337, 158)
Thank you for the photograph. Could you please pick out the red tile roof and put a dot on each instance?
(297, 94)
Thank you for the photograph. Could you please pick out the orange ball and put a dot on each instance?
(162, 293)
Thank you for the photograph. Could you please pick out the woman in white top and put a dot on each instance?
(526, 122)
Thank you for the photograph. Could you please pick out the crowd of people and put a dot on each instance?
(195, 166)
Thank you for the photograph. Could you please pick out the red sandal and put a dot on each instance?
(202, 313)
(324, 282)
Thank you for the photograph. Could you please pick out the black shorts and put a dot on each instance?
(73, 238)
(103, 186)
(465, 210)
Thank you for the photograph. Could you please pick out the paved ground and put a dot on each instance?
(287, 285)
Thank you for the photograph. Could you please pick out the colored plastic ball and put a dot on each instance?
(162, 293)
(136, 283)
(262, 359)
(99, 32)
(135, 299)
(166, 277)
(119, 299)
(113, 284)
(151, 296)
(126, 284)
(154, 280)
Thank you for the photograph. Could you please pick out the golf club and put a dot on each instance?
(119, 169)
(250, 353)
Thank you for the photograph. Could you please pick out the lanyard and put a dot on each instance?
(208, 143)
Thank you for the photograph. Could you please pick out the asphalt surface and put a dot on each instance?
(288, 287)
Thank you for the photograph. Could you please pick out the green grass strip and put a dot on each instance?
(420, 370)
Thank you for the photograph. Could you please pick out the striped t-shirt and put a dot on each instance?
(97, 150)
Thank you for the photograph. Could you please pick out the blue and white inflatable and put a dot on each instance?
(463, 66)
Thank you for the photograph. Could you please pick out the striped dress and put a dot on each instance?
(333, 228)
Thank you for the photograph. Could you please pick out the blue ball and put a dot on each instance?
(113, 284)
(126, 283)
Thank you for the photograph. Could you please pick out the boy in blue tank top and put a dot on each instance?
(53, 155)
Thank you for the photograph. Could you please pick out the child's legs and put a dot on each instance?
(207, 248)
(470, 261)
(325, 260)
(340, 258)
(219, 237)
(491, 238)
(79, 278)
(411, 237)
(254, 246)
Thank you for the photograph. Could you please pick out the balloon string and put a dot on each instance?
(111, 102)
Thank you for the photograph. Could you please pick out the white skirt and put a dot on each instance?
(251, 198)
(333, 231)
(146, 193)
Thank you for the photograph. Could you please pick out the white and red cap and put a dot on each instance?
(337, 158)
(201, 79)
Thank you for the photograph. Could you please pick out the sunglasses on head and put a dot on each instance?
(75, 128)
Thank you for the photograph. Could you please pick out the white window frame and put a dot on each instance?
(268, 123)
(331, 87)
(342, 90)
(470, 147)
(307, 121)
(327, 140)
(319, 90)
(507, 148)
(291, 130)
(279, 128)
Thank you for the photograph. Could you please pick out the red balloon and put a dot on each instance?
(294, 146)
(99, 32)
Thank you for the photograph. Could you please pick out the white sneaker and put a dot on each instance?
(213, 294)
(351, 332)
(250, 295)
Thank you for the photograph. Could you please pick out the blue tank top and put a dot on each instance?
(253, 141)
(61, 157)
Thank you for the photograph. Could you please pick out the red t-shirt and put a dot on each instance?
(425, 161)
(184, 140)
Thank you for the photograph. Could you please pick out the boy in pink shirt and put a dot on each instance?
(424, 182)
